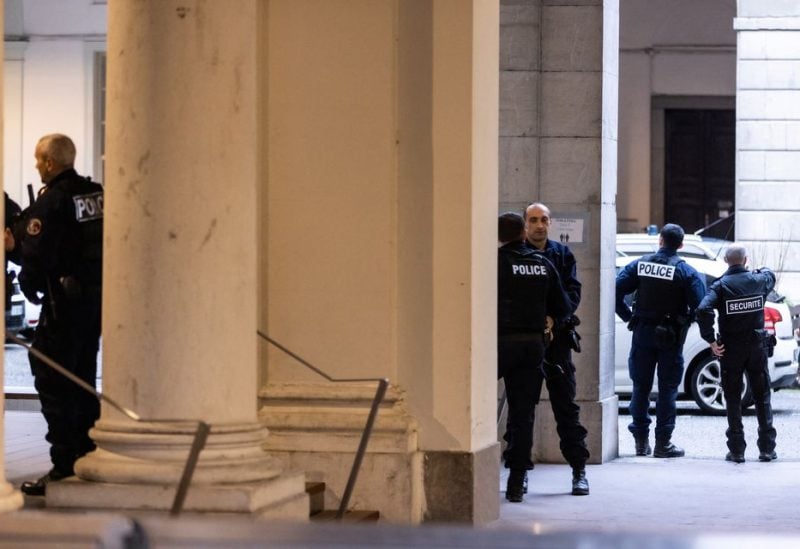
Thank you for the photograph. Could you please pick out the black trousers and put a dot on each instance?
(561, 386)
(520, 366)
(71, 337)
(746, 354)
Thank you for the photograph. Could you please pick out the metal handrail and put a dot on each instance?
(383, 384)
(198, 442)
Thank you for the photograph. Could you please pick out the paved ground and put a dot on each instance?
(710, 502)
(703, 437)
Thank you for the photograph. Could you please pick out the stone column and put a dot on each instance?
(179, 313)
(558, 141)
(768, 137)
(383, 162)
(10, 499)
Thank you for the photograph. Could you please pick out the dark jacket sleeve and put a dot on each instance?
(41, 245)
(768, 276)
(627, 282)
(558, 304)
(569, 280)
(695, 288)
(705, 311)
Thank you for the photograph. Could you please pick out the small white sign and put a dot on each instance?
(567, 230)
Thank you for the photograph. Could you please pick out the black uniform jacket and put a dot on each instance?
(739, 296)
(63, 235)
(561, 256)
(529, 289)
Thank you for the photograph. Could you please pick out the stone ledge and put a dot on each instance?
(258, 498)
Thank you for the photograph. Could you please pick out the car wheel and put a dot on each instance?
(707, 387)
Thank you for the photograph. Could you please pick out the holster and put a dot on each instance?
(768, 341)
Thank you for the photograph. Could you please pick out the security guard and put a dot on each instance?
(669, 291)
(559, 368)
(529, 291)
(61, 270)
(739, 297)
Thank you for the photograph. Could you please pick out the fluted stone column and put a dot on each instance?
(10, 499)
(179, 307)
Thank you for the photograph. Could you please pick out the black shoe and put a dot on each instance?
(515, 487)
(643, 447)
(525, 483)
(667, 450)
(734, 457)
(39, 486)
(767, 456)
(580, 486)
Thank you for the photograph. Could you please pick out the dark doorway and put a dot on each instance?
(699, 170)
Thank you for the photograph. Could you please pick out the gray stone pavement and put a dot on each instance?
(662, 496)
(726, 504)
(701, 499)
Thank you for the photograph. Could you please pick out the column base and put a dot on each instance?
(598, 417)
(137, 466)
(10, 499)
(282, 497)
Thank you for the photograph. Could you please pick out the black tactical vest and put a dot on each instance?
(86, 232)
(523, 280)
(742, 303)
(659, 290)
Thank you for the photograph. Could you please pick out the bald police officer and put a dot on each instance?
(668, 292)
(559, 368)
(739, 296)
(62, 256)
(529, 290)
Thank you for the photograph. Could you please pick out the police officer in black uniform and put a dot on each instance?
(559, 368)
(669, 291)
(62, 270)
(12, 213)
(528, 291)
(739, 296)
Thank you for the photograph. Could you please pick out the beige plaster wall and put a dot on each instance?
(380, 199)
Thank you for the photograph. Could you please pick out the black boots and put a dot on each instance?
(734, 457)
(665, 449)
(767, 456)
(642, 447)
(580, 486)
(517, 485)
(39, 486)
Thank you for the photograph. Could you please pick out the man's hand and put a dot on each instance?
(717, 348)
(548, 329)
(9, 240)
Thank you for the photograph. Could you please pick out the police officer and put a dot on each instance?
(61, 270)
(739, 297)
(669, 291)
(12, 212)
(559, 368)
(528, 291)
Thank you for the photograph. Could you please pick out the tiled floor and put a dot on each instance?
(26, 451)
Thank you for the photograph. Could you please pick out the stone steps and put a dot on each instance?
(318, 513)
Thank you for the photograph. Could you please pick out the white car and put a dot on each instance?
(701, 378)
(24, 315)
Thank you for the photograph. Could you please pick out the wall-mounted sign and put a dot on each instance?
(568, 230)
